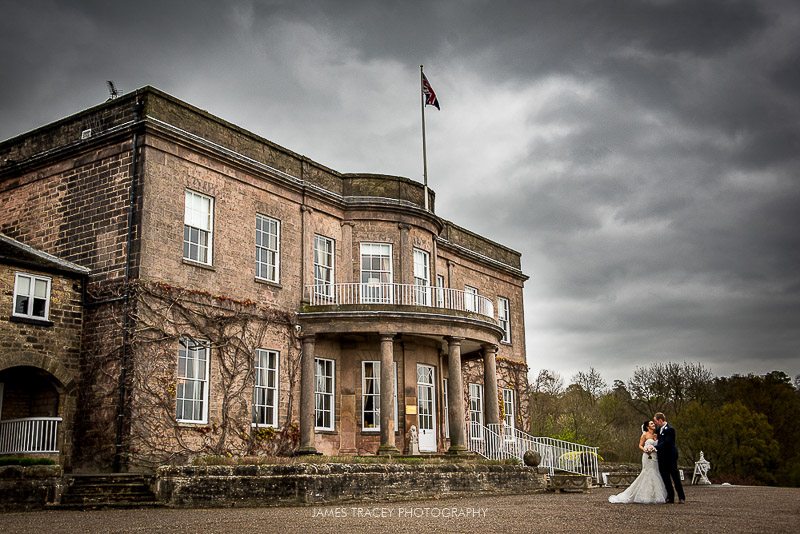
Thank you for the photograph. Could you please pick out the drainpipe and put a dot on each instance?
(120, 462)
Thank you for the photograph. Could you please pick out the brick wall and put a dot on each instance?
(59, 342)
(510, 375)
(77, 209)
(52, 348)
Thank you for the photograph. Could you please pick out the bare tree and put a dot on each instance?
(165, 316)
(592, 383)
(549, 382)
(667, 387)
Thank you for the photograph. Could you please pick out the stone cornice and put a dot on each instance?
(61, 152)
(480, 258)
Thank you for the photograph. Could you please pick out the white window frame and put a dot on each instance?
(202, 223)
(186, 347)
(376, 290)
(32, 280)
(377, 368)
(323, 393)
(509, 408)
(268, 256)
(422, 278)
(446, 404)
(261, 391)
(504, 318)
(471, 299)
(476, 411)
(440, 291)
(376, 395)
(323, 285)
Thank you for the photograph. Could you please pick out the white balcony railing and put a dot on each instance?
(29, 435)
(399, 295)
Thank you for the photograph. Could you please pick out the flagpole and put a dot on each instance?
(424, 152)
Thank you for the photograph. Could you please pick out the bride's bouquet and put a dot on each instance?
(649, 450)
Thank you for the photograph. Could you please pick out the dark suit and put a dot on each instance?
(668, 462)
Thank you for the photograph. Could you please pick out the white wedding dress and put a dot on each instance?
(648, 488)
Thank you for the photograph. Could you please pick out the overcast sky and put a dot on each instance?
(644, 156)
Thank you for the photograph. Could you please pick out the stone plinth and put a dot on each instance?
(621, 479)
(29, 488)
(570, 483)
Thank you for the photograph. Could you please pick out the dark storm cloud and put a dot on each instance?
(643, 155)
(570, 33)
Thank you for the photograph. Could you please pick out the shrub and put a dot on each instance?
(25, 461)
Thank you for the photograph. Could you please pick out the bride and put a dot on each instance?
(648, 488)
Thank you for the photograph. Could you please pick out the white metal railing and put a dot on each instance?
(500, 442)
(29, 435)
(488, 443)
(398, 294)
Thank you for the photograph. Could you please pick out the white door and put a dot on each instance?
(426, 408)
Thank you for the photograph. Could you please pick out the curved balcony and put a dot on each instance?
(407, 308)
(399, 295)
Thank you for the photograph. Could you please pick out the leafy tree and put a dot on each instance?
(544, 405)
(773, 396)
(746, 425)
(737, 441)
(622, 421)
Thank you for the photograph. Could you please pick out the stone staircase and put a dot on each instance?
(112, 490)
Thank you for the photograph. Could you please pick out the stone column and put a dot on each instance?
(345, 271)
(307, 404)
(455, 396)
(406, 256)
(490, 384)
(387, 395)
(306, 250)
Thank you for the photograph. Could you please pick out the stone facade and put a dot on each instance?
(40, 357)
(107, 190)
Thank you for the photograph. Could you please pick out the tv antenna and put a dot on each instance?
(112, 90)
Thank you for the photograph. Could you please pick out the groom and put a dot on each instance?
(668, 458)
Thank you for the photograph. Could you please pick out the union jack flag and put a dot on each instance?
(430, 95)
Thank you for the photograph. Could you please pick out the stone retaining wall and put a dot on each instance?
(28, 488)
(303, 484)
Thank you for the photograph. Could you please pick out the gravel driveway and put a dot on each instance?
(709, 509)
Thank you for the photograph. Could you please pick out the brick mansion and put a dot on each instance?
(174, 286)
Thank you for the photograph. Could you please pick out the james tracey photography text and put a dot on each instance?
(399, 512)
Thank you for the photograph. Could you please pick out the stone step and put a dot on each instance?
(105, 499)
(104, 506)
(143, 494)
(111, 478)
(107, 490)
